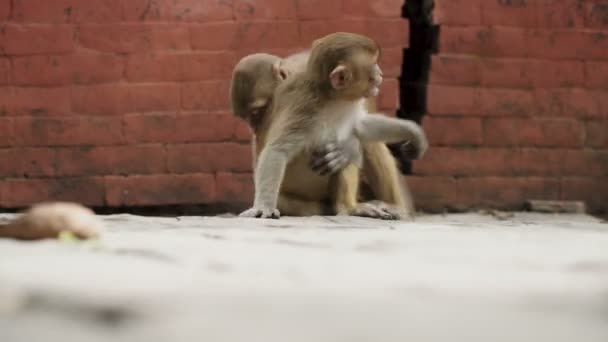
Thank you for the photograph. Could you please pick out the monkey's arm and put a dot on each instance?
(377, 127)
(269, 174)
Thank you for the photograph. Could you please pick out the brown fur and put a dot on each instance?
(293, 126)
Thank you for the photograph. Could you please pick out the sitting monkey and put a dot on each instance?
(252, 97)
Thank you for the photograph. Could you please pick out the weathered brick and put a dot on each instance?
(596, 74)
(5, 71)
(448, 100)
(461, 40)
(268, 34)
(42, 70)
(131, 37)
(153, 67)
(560, 13)
(506, 73)
(64, 11)
(563, 162)
(264, 9)
(207, 66)
(590, 163)
(457, 12)
(596, 133)
(455, 70)
(211, 95)
(487, 41)
(104, 99)
(518, 13)
(468, 162)
(591, 191)
(507, 102)
(159, 189)
(234, 188)
(319, 9)
(573, 102)
(178, 10)
(152, 97)
(596, 14)
(450, 131)
(5, 10)
(184, 127)
(438, 193)
(27, 162)
(67, 131)
(6, 131)
(66, 69)
(533, 132)
(541, 162)
(389, 33)
(110, 160)
(209, 158)
(545, 73)
(35, 39)
(558, 44)
(376, 8)
(25, 192)
(216, 36)
(35, 101)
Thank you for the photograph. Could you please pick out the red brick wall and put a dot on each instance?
(125, 102)
(518, 105)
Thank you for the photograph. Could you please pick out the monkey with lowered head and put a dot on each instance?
(254, 79)
(322, 104)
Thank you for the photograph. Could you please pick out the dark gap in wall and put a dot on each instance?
(416, 65)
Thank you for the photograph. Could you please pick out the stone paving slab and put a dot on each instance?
(469, 277)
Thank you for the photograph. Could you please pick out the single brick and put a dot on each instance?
(67, 131)
(518, 13)
(211, 95)
(450, 131)
(235, 188)
(36, 39)
(25, 192)
(209, 158)
(159, 190)
(512, 102)
(27, 162)
(35, 101)
(457, 12)
(265, 9)
(447, 161)
(178, 10)
(455, 70)
(449, 100)
(110, 160)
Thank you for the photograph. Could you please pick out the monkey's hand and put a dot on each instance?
(411, 151)
(334, 157)
(261, 213)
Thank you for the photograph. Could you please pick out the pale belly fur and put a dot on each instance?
(336, 123)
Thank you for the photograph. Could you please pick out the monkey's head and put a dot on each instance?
(347, 64)
(254, 79)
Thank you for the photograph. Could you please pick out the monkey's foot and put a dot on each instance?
(261, 213)
(374, 211)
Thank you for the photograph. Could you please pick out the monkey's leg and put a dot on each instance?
(293, 206)
(382, 175)
(346, 189)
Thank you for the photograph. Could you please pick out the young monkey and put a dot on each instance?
(322, 104)
(253, 82)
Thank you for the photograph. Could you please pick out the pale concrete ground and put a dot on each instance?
(442, 278)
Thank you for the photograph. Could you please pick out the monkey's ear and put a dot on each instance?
(339, 77)
(279, 72)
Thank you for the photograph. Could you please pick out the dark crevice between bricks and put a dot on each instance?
(416, 66)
